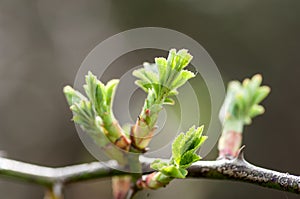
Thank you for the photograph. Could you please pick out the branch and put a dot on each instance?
(237, 169)
(48, 177)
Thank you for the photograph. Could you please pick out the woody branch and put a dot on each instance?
(237, 169)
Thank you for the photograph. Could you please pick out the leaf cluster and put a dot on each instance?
(93, 111)
(242, 100)
(162, 78)
(184, 150)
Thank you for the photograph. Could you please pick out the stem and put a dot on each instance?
(229, 144)
(237, 169)
(143, 130)
(121, 186)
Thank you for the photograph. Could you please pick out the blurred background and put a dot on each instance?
(42, 44)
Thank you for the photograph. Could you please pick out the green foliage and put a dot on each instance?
(183, 154)
(94, 112)
(73, 96)
(161, 81)
(83, 111)
(84, 114)
(164, 76)
(100, 95)
(241, 104)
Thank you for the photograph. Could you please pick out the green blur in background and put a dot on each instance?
(42, 44)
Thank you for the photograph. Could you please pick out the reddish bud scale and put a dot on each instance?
(121, 185)
(147, 112)
(150, 182)
(123, 142)
(229, 144)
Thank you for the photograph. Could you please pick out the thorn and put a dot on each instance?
(240, 154)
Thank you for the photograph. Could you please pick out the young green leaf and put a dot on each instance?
(161, 81)
(185, 145)
(158, 165)
(72, 95)
(176, 148)
(98, 104)
(165, 76)
(241, 104)
(110, 90)
(188, 158)
(184, 149)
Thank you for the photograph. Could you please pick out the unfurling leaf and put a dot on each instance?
(185, 145)
(161, 81)
(165, 75)
(72, 95)
(94, 112)
(241, 104)
(184, 149)
(158, 164)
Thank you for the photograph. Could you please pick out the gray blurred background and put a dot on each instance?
(42, 44)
